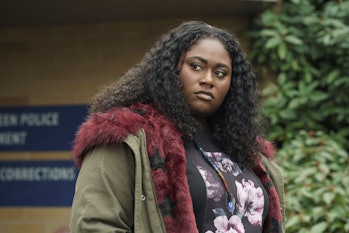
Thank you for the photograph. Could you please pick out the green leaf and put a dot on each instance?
(327, 40)
(346, 227)
(319, 227)
(328, 197)
(332, 215)
(317, 212)
(302, 88)
(312, 86)
(294, 103)
(268, 32)
(308, 77)
(291, 93)
(288, 114)
(332, 76)
(292, 221)
(318, 96)
(293, 40)
(282, 78)
(344, 81)
(295, 65)
(270, 89)
(273, 42)
(282, 51)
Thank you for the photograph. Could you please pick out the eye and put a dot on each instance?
(196, 67)
(220, 74)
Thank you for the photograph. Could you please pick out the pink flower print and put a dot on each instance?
(214, 189)
(225, 164)
(230, 166)
(250, 201)
(223, 225)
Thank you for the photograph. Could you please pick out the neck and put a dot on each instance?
(202, 121)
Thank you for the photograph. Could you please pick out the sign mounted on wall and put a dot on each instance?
(37, 183)
(40, 128)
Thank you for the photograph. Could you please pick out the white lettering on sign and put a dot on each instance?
(8, 119)
(13, 138)
(37, 173)
(39, 119)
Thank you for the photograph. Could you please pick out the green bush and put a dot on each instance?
(316, 183)
(304, 46)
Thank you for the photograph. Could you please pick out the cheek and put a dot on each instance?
(185, 86)
(227, 88)
(186, 80)
(223, 91)
(187, 92)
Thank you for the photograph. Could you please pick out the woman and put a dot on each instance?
(174, 146)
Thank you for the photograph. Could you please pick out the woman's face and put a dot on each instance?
(205, 73)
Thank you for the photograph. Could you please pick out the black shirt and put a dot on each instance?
(210, 196)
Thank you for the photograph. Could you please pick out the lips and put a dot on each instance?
(205, 95)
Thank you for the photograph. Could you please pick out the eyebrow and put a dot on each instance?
(203, 60)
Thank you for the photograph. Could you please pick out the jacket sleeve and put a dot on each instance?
(277, 178)
(104, 193)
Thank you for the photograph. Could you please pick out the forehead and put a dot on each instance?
(209, 47)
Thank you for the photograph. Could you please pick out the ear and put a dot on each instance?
(180, 62)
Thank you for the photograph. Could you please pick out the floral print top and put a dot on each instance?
(250, 204)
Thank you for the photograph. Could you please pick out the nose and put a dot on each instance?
(207, 80)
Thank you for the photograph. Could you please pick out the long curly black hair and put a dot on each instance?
(235, 125)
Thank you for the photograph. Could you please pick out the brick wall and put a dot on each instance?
(66, 65)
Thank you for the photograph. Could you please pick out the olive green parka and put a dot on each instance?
(119, 189)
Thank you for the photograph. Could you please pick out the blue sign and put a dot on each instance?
(37, 183)
(40, 128)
